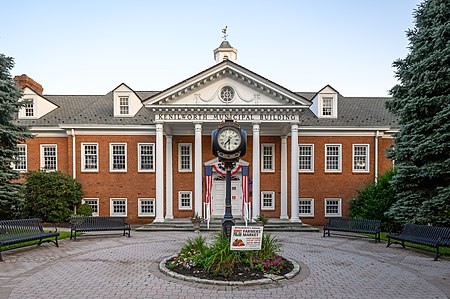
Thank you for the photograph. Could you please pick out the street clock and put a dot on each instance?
(229, 141)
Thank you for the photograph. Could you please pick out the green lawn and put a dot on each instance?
(62, 235)
(442, 250)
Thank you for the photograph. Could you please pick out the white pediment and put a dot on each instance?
(205, 88)
(38, 107)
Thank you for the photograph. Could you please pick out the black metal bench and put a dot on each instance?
(433, 236)
(95, 224)
(24, 230)
(361, 226)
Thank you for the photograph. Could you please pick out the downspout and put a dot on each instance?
(74, 164)
(376, 157)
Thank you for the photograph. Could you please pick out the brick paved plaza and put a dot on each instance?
(120, 267)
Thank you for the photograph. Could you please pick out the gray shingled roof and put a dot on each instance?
(98, 110)
(354, 112)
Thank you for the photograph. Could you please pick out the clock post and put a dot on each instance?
(229, 143)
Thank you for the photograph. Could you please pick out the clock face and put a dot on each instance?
(229, 139)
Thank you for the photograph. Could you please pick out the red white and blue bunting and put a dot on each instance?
(220, 169)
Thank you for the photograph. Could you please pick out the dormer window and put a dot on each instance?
(29, 108)
(327, 106)
(124, 106)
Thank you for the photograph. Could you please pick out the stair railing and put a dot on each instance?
(207, 213)
(247, 212)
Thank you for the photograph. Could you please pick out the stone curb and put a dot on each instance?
(270, 278)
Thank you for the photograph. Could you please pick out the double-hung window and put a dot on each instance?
(118, 157)
(146, 207)
(267, 157)
(185, 157)
(89, 157)
(185, 200)
(267, 200)
(333, 158)
(327, 106)
(146, 157)
(49, 157)
(306, 207)
(21, 158)
(93, 203)
(333, 207)
(29, 108)
(306, 157)
(360, 158)
(124, 105)
(118, 207)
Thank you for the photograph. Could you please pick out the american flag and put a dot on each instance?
(244, 187)
(208, 180)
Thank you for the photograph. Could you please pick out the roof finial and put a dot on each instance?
(224, 31)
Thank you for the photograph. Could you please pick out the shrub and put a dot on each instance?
(84, 210)
(374, 200)
(219, 259)
(51, 196)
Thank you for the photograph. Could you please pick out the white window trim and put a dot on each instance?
(98, 205)
(312, 158)
(333, 105)
(111, 209)
(312, 207)
(140, 214)
(42, 164)
(139, 157)
(339, 170)
(111, 169)
(272, 207)
(339, 214)
(180, 207)
(272, 145)
(120, 106)
(83, 161)
(367, 170)
(26, 159)
(179, 157)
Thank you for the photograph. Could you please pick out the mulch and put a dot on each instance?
(242, 272)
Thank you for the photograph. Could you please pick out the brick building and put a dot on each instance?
(143, 155)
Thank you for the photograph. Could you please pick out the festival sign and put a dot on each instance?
(246, 237)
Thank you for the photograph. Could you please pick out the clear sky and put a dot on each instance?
(90, 47)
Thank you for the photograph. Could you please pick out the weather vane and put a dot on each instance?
(224, 31)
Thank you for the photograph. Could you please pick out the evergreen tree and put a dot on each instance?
(10, 135)
(421, 100)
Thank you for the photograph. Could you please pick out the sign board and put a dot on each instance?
(246, 237)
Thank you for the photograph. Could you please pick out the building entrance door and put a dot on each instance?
(218, 196)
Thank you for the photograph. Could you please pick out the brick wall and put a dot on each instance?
(133, 184)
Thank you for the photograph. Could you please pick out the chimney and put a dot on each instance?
(25, 81)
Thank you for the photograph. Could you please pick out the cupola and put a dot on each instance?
(225, 51)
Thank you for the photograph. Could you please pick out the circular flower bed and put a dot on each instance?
(217, 263)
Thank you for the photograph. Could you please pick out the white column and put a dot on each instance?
(169, 185)
(294, 173)
(198, 169)
(256, 172)
(159, 173)
(284, 178)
